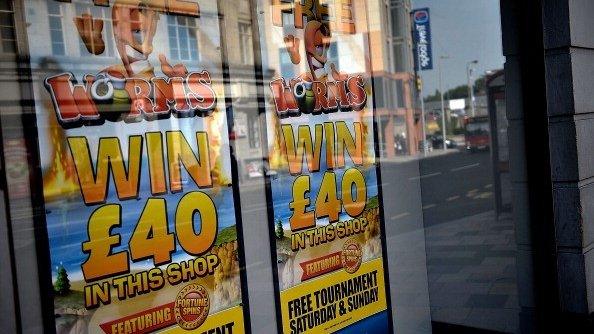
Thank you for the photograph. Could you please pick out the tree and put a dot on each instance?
(480, 85)
(279, 231)
(435, 97)
(62, 285)
(460, 91)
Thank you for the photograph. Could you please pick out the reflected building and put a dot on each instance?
(246, 130)
(393, 70)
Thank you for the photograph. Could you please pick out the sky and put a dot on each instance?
(463, 30)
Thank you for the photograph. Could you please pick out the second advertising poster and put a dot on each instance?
(323, 180)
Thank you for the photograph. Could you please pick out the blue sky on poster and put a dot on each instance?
(464, 30)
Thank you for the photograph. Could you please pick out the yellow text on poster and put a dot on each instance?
(334, 301)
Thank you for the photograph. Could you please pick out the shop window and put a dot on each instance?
(245, 43)
(183, 38)
(7, 35)
(55, 14)
(337, 194)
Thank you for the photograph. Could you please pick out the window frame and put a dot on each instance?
(10, 13)
(246, 52)
(60, 17)
(174, 25)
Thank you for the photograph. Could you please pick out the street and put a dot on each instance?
(452, 186)
(456, 185)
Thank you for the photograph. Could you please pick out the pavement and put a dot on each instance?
(470, 253)
(471, 266)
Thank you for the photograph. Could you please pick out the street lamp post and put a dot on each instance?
(420, 92)
(470, 85)
(424, 132)
(443, 115)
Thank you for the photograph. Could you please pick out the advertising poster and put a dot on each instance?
(326, 218)
(139, 201)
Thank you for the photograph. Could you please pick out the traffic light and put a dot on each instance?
(419, 83)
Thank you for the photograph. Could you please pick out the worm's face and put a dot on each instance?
(134, 28)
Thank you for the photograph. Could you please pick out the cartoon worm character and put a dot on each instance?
(316, 38)
(134, 27)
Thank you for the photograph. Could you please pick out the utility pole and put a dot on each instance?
(420, 89)
(470, 85)
(443, 115)
(423, 116)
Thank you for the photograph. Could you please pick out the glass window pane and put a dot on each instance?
(8, 46)
(172, 35)
(81, 9)
(183, 53)
(6, 19)
(395, 13)
(6, 5)
(110, 41)
(183, 36)
(58, 49)
(96, 11)
(56, 36)
(55, 23)
(7, 33)
(53, 7)
(173, 43)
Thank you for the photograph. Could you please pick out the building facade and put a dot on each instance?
(393, 71)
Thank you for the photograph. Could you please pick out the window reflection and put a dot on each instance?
(55, 27)
(183, 40)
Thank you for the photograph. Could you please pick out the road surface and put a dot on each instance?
(456, 185)
(452, 186)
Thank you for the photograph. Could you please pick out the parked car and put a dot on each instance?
(437, 142)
